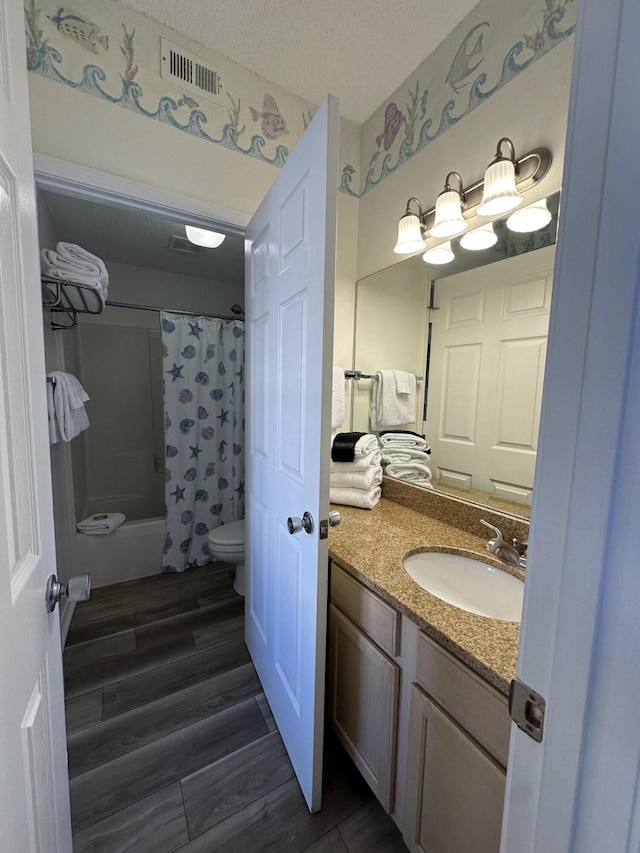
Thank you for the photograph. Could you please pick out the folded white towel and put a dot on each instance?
(366, 479)
(403, 454)
(360, 463)
(101, 523)
(426, 484)
(364, 445)
(86, 263)
(68, 401)
(363, 498)
(408, 470)
(402, 440)
(388, 407)
(337, 398)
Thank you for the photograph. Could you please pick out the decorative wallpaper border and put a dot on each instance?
(457, 73)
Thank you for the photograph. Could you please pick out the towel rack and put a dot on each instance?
(357, 374)
(63, 296)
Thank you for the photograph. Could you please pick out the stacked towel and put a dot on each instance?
(356, 472)
(65, 404)
(405, 455)
(393, 399)
(71, 263)
(101, 523)
(337, 398)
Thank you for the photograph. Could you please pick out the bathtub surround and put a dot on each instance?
(203, 373)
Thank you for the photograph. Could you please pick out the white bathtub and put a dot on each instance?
(132, 551)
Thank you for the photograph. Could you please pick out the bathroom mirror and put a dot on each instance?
(474, 332)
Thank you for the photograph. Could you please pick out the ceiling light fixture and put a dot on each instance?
(449, 221)
(442, 254)
(530, 218)
(498, 192)
(480, 238)
(202, 237)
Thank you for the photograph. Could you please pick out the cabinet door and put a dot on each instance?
(455, 791)
(363, 703)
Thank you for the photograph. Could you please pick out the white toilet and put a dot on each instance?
(226, 543)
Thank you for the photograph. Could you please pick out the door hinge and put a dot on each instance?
(526, 709)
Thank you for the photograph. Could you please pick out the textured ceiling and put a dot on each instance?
(140, 239)
(359, 50)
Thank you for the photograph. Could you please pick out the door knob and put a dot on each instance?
(295, 525)
(77, 588)
(334, 518)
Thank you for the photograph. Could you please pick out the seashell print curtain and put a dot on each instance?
(203, 372)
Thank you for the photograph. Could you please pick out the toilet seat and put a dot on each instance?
(228, 537)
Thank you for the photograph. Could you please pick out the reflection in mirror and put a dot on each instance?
(475, 331)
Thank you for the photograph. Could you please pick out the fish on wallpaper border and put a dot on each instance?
(463, 62)
(393, 121)
(78, 29)
(273, 124)
(189, 103)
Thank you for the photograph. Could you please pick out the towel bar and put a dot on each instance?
(357, 374)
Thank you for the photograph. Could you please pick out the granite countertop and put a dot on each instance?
(371, 544)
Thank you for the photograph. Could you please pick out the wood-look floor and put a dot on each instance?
(171, 742)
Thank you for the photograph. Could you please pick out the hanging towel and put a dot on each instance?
(101, 523)
(357, 479)
(54, 436)
(337, 398)
(360, 463)
(347, 446)
(388, 406)
(69, 398)
(363, 498)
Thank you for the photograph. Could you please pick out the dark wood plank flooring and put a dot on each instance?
(172, 745)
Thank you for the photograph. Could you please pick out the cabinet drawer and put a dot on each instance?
(478, 707)
(375, 617)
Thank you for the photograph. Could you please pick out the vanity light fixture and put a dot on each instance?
(410, 231)
(498, 192)
(480, 238)
(442, 254)
(530, 218)
(203, 237)
(449, 221)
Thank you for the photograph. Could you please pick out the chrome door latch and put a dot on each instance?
(526, 709)
(326, 523)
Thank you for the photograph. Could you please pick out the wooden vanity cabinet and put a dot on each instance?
(459, 735)
(363, 681)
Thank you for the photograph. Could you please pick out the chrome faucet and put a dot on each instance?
(501, 548)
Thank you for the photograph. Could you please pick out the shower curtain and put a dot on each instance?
(203, 372)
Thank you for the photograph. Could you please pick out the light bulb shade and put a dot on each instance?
(203, 237)
(500, 193)
(409, 235)
(530, 218)
(449, 221)
(441, 254)
(480, 238)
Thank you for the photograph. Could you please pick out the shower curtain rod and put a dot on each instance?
(113, 304)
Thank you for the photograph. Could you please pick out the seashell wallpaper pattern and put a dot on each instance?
(113, 53)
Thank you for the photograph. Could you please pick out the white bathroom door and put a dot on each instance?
(488, 350)
(34, 792)
(290, 281)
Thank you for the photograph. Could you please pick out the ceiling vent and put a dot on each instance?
(190, 73)
(181, 244)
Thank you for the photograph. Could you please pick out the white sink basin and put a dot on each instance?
(468, 584)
